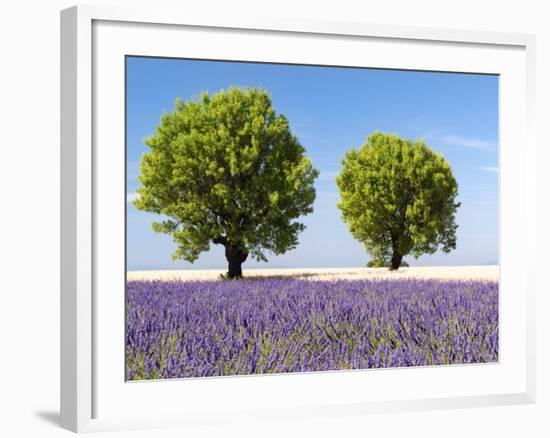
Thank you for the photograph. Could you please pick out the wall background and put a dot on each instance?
(29, 219)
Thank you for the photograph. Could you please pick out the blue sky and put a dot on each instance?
(332, 109)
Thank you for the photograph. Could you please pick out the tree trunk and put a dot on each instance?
(396, 261)
(235, 258)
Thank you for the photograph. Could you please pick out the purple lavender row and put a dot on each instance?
(220, 328)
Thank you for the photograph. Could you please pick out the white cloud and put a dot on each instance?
(132, 197)
(439, 136)
(490, 168)
(312, 139)
(467, 142)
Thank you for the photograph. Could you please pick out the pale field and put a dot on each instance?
(421, 272)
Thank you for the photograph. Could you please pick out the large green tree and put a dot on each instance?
(398, 198)
(226, 169)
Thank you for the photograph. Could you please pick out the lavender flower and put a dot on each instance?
(215, 328)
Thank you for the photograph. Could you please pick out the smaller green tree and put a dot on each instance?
(398, 198)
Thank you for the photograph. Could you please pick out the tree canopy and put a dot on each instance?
(398, 198)
(225, 168)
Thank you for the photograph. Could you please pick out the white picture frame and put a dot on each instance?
(90, 37)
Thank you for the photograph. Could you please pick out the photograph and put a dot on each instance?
(289, 218)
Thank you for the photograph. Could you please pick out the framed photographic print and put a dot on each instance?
(291, 218)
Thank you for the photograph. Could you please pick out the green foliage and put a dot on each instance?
(225, 168)
(398, 198)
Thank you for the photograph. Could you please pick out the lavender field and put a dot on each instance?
(178, 329)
